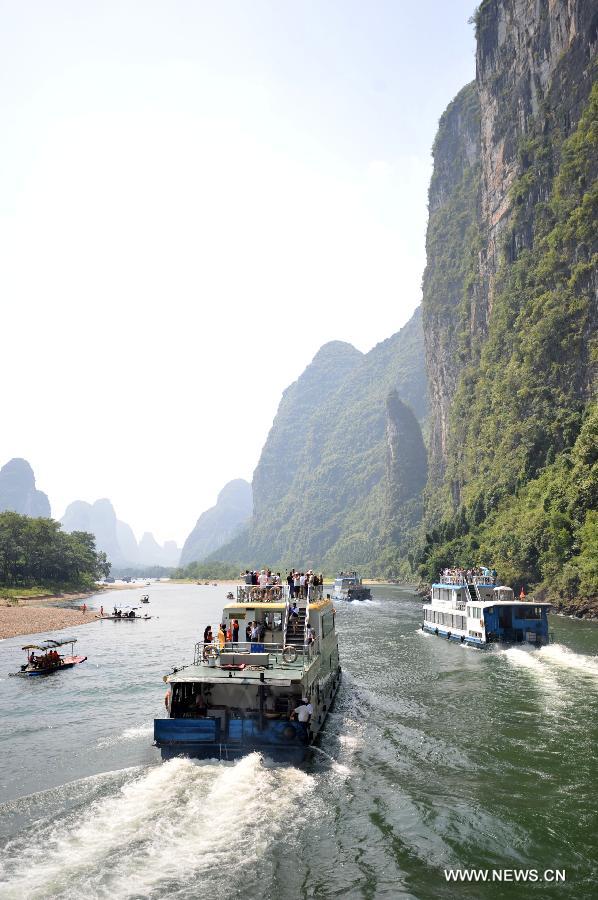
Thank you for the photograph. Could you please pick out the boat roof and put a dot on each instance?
(515, 602)
(250, 605)
(50, 644)
(283, 677)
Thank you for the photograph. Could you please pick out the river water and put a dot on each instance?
(434, 756)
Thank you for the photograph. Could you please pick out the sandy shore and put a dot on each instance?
(27, 619)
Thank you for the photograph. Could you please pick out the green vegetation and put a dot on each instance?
(36, 552)
(321, 489)
(521, 486)
(207, 571)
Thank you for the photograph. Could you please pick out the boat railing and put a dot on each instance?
(302, 656)
(465, 579)
(277, 593)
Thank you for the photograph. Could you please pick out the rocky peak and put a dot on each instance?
(18, 492)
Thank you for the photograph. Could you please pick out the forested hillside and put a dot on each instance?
(322, 486)
(510, 305)
(35, 551)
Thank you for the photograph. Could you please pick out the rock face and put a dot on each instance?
(116, 538)
(510, 294)
(221, 523)
(406, 466)
(150, 551)
(127, 542)
(451, 246)
(320, 488)
(98, 518)
(18, 492)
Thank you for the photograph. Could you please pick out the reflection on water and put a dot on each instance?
(433, 756)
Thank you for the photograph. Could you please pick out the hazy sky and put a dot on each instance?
(194, 197)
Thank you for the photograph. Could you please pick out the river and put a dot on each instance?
(434, 756)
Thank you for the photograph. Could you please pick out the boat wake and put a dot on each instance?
(129, 734)
(559, 655)
(166, 829)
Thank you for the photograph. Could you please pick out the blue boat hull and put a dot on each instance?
(207, 739)
(444, 633)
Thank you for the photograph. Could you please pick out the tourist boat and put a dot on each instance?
(253, 695)
(50, 660)
(349, 586)
(473, 609)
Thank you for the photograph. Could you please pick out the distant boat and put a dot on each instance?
(349, 586)
(145, 598)
(50, 661)
(130, 616)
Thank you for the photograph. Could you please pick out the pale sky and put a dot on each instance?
(194, 197)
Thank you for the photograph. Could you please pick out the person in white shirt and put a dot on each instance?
(263, 579)
(304, 712)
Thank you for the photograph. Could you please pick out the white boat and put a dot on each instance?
(474, 609)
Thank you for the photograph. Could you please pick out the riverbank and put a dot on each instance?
(29, 619)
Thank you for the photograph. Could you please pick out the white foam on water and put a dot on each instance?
(337, 768)
(350, 741)
(174, 822)
(558, 655)
(129, 734)
(527, 659)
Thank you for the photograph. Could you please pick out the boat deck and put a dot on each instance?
(277, 672)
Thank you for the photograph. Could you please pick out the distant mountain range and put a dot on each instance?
(116, 538)
(19, 494)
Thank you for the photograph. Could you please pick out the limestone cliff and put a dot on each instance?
(219, 524)
(510, 300)
(116, 538)
(321, 486)
(18, 492)
(99, 519)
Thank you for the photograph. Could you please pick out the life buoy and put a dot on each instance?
(288, 732)
(289, 654)
(210, 652)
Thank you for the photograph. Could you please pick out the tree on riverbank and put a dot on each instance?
(37, 551)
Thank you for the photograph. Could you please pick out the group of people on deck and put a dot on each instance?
(468, 574)
(298, 582)
(254, 633)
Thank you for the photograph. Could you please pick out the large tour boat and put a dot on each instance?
(474, 609)
(349, 586)
(269, 693)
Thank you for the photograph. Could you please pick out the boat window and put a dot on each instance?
(327, 623)
(528, 612)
